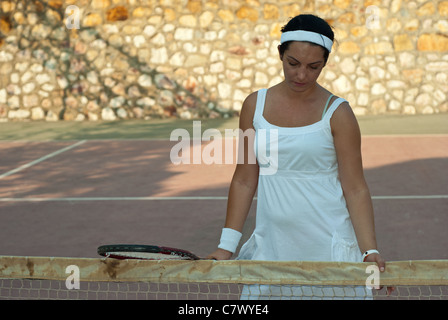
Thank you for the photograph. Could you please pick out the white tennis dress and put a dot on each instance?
(301, 211)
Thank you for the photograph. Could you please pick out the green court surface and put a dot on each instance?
(162, 129)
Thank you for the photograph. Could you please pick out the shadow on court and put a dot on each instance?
(412, 227)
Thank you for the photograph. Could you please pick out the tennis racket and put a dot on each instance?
(144, 252)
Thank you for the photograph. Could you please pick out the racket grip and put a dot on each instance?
(230, 239)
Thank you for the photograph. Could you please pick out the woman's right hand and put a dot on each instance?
(220, 254)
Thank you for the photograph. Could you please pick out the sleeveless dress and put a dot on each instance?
(301, 211)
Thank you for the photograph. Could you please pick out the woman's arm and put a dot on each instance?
(245, 178)
(347, 140)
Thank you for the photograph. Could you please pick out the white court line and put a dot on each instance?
(48, 156)
(428, 197)
(83, 199)
(80, 199)
(167, 139)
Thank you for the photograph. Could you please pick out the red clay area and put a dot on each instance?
(129, 191)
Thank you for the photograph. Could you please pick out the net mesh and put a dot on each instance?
(105, 279)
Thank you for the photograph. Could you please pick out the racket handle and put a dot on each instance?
(230, 239)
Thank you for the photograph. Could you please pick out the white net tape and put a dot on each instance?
(85, 278)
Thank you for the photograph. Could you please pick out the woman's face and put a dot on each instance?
(302, 64)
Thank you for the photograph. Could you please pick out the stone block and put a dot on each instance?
(382, 47)
(348, 47)
(118, 13)
(248, 13)
(402, 42)
(432, 42)
(443, 8)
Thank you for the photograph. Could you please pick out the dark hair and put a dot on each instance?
(308, 22)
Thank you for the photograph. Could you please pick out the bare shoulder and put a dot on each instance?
(344, 120)
(248, 110)
(250, 102)
(344, 110)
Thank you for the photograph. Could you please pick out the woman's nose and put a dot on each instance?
(301, 73)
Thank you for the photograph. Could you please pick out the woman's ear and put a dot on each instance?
(280, 52)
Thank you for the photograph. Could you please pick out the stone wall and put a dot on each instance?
(129, 59)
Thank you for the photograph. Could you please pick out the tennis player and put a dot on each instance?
(317, 205)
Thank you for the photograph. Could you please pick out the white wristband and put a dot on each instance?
(367, 253)
(229, 239)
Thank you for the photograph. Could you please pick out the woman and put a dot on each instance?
(316, 205)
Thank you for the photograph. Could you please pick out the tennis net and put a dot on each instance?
(106, 279)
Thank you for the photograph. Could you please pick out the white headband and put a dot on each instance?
(302, 35)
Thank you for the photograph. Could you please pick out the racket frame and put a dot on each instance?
(122, 251)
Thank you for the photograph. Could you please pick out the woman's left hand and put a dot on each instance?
(374, 257)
